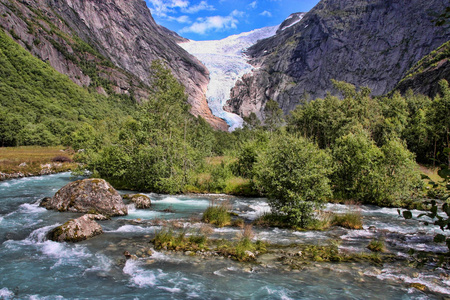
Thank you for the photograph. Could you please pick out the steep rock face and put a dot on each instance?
(366, 43)
(109, 45)
(125, 32)
(87, 195)
(424, 77)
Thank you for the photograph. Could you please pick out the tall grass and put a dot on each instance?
(218, 214)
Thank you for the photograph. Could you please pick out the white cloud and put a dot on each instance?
(253, 5)
(162, 7)
(181, 19)
(203, 5)
(266, 13)
(237, 13)
(214, 23)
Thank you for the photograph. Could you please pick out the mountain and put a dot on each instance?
(107, 45)
(226, 62)
(369, 43)
(424, 77)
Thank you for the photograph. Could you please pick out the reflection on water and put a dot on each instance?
(34, 268)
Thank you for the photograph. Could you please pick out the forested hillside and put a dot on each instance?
(40, 106)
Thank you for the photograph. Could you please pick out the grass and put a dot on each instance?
(243, 250)
(28, 159)
(217, 176)
(180, 240)
(376, 246)
(350, 220)
(168, 239)
(218, 214)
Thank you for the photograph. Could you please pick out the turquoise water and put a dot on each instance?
(32, 267)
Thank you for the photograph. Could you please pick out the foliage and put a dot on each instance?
(40, 106)
(273, 115)
(376, 246)
(437, 209)
(350, 220)
(159, 145)
(376, 175)
(293, 172)
(218, 214)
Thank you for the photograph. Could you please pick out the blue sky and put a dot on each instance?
(211, 20)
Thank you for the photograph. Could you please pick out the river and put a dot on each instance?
(33, 267)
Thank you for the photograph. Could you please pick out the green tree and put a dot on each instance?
(367, 173)
(439, 122)
(273, 115)
(293, 174)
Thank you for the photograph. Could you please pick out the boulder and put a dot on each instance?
(141, 201)
(77, 230)
(88, 196)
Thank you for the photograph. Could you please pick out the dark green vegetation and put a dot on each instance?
(39, 106)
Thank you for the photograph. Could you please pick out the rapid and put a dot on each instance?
(33, 267)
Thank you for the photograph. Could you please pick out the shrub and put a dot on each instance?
(350, 220)
(376, 246)
(217, 214)
(363, 171)
(293, 174)
(62, 159)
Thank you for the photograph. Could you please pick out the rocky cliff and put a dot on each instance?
(108, 45)
(365, 42)
(424, 77)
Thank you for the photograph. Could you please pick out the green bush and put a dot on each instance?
(350, 220)
(217, 214)
(293, 172)
(376, 246)
(365, 172)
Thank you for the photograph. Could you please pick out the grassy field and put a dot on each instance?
(32, 159)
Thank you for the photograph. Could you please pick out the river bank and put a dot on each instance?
(27, 161)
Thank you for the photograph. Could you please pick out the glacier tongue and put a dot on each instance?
(226, 62)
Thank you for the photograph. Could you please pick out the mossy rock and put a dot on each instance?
(141, 201)
(76, 230)
(88, 195)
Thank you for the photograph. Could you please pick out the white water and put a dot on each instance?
(226, 62)
(33, 267)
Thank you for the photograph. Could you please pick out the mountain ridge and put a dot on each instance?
(106, 45)
(366, 43)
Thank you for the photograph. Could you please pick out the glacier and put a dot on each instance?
(226, 62)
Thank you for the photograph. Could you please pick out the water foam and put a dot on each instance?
(130, 228)
(6, 294)
(140, 277)
(427, 280)
(174, 200)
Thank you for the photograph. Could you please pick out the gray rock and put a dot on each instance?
(76, 230)
(141, 201)
(87, 196)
